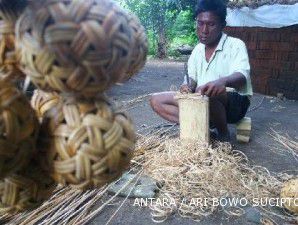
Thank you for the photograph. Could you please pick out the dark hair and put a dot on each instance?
(218, 7)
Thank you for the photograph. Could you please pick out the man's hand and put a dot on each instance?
(184, 89)
(213, 88)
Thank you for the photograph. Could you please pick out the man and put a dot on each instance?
(216, 63)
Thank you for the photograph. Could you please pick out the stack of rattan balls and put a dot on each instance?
(72, 51)
(21, 186)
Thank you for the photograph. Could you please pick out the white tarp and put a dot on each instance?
(270, 16)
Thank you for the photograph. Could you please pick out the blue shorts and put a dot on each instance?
(237, 106)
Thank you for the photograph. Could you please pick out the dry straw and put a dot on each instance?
(80, 47)
(68, 206)
(18, 129)
(86, 144)
(287, 143)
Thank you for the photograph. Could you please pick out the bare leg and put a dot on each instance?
(166, 106)
(218, 114)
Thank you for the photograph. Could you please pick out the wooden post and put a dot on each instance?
(193, 117)
(243, 129)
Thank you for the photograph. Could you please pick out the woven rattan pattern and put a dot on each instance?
(25, 190)
(9, 66)
(86, 143)
(18, 129)
(80, 47)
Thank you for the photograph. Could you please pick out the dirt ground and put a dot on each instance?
(266, 112)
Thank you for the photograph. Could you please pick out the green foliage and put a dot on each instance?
(173, 53)
(184, 29)
(167, 22)
(182, 32)
(184, 23)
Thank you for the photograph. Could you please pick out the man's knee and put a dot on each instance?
(155, 102)
(217, 106)
(160, 101)
(218, 100)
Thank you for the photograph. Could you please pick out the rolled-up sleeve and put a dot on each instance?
(240, 60)
(192, 66)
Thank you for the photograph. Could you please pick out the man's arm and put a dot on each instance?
(218, 87)
(236, 80)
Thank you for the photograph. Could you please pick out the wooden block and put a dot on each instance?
(193, 117)
(243, 130)
(242, 138)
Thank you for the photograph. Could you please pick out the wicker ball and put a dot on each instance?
(290, 190)
(86, 144)
(75, 46)
(18, 129)
(25, 190)
(9, 63)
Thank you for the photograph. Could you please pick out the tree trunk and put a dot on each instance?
(162, 39)
(161, 44)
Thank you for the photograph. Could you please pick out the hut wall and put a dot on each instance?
(273, 56)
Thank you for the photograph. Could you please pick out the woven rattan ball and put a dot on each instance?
(75, 46)
(18, 129)
(86, 143)
(9, 63)
(140, 47)
(289, 192)
(25, 190)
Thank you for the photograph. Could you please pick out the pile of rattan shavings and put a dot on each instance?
(192, 173)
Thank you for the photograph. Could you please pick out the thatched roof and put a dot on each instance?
(257, 3)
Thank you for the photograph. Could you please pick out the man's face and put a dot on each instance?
(209, 28)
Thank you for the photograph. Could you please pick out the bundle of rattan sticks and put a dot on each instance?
(72, 51)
